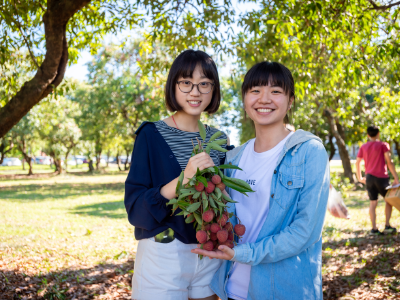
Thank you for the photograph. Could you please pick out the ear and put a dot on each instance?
(291, 100)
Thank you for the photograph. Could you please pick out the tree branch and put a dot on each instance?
(382, 7)
(23, 35)
(51, 72)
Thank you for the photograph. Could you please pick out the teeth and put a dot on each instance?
(264, 110)
(194, 102)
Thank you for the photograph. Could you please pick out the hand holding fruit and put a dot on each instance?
(223, 252)
(200, 161)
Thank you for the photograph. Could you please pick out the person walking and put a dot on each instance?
(375, 153)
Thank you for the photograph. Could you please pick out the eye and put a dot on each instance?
(276, 92)
(186, 82)
(204, 84)
(255, 91)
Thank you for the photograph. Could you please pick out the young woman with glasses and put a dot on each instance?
(165, 268)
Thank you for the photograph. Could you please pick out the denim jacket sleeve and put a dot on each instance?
(145, 205)
(306, 228)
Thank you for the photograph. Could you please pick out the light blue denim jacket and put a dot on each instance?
(286, 257)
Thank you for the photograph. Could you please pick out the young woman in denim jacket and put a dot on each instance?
(279, 257)
(165, 269)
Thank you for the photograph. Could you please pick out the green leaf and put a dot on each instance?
(241, 183)
(172, 201)
(198, 218)
(218, 148)
(218, 193)
(189, 219)
(229, 183)
(193, 207)
(211, 200)
(205, 204)
(202, 180)
(228, 199)
(220, 142)
(186, 190)
(215, 136)
(180, 213)
(229, 167)
(184, 195)
(202, 131)
(180, 180)
(196, 195)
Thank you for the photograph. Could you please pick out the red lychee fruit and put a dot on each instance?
(215, 227)
(216, 179)
(201, 236)
(221, 186)
(222, 235)
(240, 229)
(230, 235)
(210, 187)
(228, 243)
(213, 236)
(209, 246)
(199, 186)
(207, 227)
(226, 213)
(228, 226)
(208, 216)
(222, 220)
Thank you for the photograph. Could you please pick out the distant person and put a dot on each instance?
(375, 153)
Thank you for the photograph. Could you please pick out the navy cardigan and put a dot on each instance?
(153, 166)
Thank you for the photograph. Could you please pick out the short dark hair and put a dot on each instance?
(272, 73)
(373, 130)
(183, 66)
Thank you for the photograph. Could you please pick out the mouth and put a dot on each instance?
(264, 110)
(194, 103)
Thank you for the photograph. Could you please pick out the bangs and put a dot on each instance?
(268, 73)
(189, 63)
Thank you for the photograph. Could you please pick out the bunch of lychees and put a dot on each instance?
(203, 199)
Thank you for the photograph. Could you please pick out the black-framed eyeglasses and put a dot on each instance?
(186, 86)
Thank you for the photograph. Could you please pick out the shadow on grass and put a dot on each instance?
(105, 209)
(59, 191)
(112, 279)
(380, 269)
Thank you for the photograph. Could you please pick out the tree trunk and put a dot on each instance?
(332, 147)
(27, 158)
(119, 167)
(58, 164)
(3, 150)
(127, 165)
(51, 72)
(397, 145)
(344, 154)
(66, 159)
(98, 157)
(108, 157)
(91, 168)
(29, 161)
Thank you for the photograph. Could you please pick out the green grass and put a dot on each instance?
(61, 231)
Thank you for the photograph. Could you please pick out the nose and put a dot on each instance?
(195, 91)
(264, 98)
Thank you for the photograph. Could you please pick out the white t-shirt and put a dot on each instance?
(258, 169)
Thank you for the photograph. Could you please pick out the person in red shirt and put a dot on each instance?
(376, 155)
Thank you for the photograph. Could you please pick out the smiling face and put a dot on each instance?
(267, 105)
(194, 102)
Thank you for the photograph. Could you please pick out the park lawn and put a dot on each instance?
(68, 236)
(68, 233)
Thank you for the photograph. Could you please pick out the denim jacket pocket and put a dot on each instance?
(287, 188)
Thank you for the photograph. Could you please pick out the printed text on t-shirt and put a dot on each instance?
(251, 181)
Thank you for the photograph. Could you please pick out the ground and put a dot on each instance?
(67, 237)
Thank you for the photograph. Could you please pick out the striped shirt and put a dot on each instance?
(181, 145)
